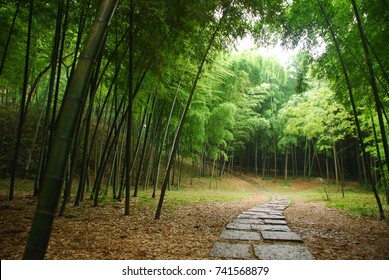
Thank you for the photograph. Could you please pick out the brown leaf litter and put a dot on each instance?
(184, 232)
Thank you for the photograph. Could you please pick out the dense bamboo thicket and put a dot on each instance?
(101, 97)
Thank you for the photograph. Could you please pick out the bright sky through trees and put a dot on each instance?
(281, 53)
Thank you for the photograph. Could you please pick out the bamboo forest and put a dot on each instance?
(207, 129)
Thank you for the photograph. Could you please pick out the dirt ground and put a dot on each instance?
(185, 232)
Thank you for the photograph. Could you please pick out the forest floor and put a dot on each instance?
(189, 230)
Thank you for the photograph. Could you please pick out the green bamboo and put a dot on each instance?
(356, 119)
(22, 116)
(183, 116)
(9, 37)
(67, 123)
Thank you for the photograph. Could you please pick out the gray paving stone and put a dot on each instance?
(255, 227)
(240, 235)
(280, 236)
(249, 221)
(276, 213)
(271, 217)
(227, 250)
(245, 216)
(274, 228)
(282, 252)
(277, 204)
(278, 207)
(274, 222)
(259, 209)
(239, 226)
(251, 213)
(266, 211)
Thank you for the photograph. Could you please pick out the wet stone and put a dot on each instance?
(240, 235)
(274, 228)
(226, 250)
(281, 236)
(275, 222)
(282, 252)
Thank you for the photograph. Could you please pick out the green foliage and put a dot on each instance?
(286, 184)
(317, 115)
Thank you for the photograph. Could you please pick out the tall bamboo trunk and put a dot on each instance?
(355, 113)
(373, 83)
(286, 165)
(22, 105)
(9, 37)
(131, 96)
(141, 159)
(383, 178)
(156, 180)
(67, 123)
(184, 114)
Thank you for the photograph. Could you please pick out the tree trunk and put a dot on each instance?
(156, 180)
(211, 175)
(286, 164)
(183, 116)
(256, 156)
(131, 97)
(22, 105)
(67, 123)
(355, 113)
(383, 175)
(140, 165)
(373, 84)
(9, 37)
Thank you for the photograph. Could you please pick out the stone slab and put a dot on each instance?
(271, 217)
(276, 213)
(227, 250)
(266, 211)
(249, 221)
(244, 216)
(277, 207)
(260, 209)
(252, 213)
(274, 228)
(280, 201)
(274, 222)
(230, 234)
(239, 226)
(282, 252)
(281, 236)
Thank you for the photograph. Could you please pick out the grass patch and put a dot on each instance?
(224, 190)
(20, 185)
(357, 200)
(286, 184)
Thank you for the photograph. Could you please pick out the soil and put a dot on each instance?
(185, 232)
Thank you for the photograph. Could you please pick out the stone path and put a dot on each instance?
(261, 233)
